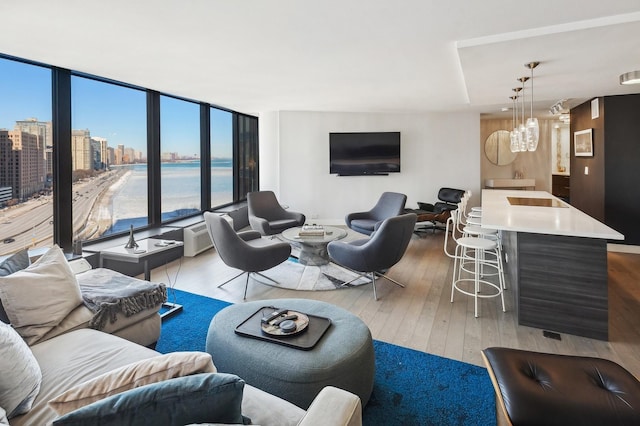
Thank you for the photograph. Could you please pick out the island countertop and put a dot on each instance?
(556, 217)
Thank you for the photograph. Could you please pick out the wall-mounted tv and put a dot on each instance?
(364, 153)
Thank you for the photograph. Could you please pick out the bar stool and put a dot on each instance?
(470, 230)
(474, 250)
(474, 217)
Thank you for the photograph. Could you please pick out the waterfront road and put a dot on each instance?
(30, 224)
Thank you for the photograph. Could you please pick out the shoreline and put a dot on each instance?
(99, 218)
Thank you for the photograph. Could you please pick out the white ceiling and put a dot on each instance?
(338, 55)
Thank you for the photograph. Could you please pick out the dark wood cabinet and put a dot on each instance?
(560, 186)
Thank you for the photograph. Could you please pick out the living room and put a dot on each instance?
(440, 124)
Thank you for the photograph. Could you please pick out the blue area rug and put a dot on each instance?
(411, 387)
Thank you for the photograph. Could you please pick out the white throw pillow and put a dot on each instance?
(20, 374)
(37, 298)
(140, 373)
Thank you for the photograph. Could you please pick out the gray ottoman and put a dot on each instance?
(343, 357)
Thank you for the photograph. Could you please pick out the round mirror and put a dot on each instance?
(497, 148)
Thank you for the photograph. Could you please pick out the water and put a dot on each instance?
(180, 183)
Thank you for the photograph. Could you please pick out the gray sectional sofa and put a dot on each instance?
(70, 355)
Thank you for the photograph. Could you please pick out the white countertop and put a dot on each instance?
(498, 213)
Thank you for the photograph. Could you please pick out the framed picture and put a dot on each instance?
(583, 143)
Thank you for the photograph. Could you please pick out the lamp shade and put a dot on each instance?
(513, 137)
(533, 134)
(632, 77)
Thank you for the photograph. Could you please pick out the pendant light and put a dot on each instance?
(515, 134)
(532, 127)
(522, 129)
(515, 147)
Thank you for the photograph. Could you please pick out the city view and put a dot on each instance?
(108, 158)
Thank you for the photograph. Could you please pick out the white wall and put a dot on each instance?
(437, 150)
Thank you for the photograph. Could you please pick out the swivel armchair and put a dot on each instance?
(246, 251)
(267, 216)
(374, 256)
(389, 204)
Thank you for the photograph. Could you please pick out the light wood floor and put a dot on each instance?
(421, 316)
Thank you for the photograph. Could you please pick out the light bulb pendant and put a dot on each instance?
(533, 128)
(523, 137)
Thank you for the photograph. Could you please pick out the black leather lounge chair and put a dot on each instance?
(434, 216)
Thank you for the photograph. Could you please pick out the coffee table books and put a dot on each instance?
(311, 231)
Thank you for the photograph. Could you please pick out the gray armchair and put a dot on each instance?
(246, 251)
(267, 216)
(375, 255)
(389, 204)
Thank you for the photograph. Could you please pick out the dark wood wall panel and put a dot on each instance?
(622, 184)
(610, 192)
(587, 191)
(562, 284)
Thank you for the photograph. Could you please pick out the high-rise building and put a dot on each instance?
(21, 158)
(102, 146)
(129, 156)
(169, 156)
(111, 156)
(6, 194)
(120, 154)
(81, 151)
(44, 131)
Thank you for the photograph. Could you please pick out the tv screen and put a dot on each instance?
(353, 154)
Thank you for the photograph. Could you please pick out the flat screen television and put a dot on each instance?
(365, 153)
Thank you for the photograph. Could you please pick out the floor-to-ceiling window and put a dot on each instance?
(179, 158)
(112, 154)
(221, 157)
(247, 162)
(26, 178)
(108, 158)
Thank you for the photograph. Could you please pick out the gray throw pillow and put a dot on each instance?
(200, 398)
(14, 263)
(20, 374)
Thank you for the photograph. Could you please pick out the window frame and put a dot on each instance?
(62, 170)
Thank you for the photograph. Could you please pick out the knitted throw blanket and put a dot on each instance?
(107, 293)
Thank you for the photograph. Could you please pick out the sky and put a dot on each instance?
(109, 111)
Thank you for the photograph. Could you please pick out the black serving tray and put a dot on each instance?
(305, 340)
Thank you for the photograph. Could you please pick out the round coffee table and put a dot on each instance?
(313, 249)
(343, 357)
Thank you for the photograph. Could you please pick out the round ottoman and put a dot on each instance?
(343, 357)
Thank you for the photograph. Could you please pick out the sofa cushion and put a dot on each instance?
(14, 263)
(72, 358)
(140, 373)
(20, 374)
(40, 296)
(200, 398)
(3, 417)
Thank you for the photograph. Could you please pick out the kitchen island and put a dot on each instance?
(556, 261)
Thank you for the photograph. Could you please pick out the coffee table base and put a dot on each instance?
(313, 255)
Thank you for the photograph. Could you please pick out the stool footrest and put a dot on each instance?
(550, 389)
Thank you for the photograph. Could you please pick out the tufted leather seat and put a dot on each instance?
(537, 388)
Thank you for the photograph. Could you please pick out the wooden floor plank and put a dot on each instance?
(421, 315)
